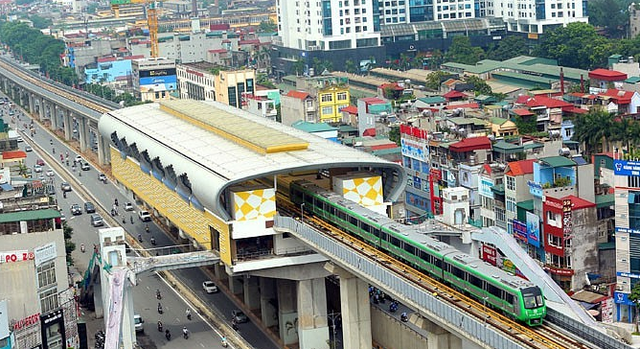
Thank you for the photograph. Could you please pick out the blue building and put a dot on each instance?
(110, 69)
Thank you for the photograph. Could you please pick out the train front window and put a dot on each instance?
(532, 298)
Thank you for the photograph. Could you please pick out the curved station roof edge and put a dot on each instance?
(218, 146)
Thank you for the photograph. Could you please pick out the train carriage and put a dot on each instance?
(510, 294)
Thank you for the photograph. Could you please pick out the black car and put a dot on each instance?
(64, 186)
(76, 210)
(89, 207)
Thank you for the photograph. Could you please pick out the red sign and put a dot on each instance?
(559, 271)
(567, 221)
(28, 321)
(16, 256)
(489, 254)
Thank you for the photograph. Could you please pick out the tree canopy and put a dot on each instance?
(509, 47)
(36, 48)
(461, 51)
(609, 14)
(577, 45)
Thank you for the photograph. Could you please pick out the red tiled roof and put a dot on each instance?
(13, 154)
(454, 94)
(373, 100)
(297, 94)
(249, 42)
(393, 85)
(541, 101)
(578, 203)
(463, 106)
(576, 110)
(471, 144)
(519, 168)
(352, 109)
(522, 99)
(522, 112)
(620, 96)
(607, 75)
(369, 132)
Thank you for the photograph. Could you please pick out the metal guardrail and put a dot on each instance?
(453, 319)
(589, 334)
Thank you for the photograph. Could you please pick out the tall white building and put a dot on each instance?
(328, 24)
(534, 16)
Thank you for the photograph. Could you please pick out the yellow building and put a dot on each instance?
(332, 99)
(230, 86)
(503, 127)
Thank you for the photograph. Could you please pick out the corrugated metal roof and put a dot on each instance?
(557, 161)
(243, 131)
(29, 215)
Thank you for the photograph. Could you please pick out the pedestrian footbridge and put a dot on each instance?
(172, 261)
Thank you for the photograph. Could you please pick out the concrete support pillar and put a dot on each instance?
(83, 133)
(268, 301)
(21, 94)
(313, 330)
(251, 292)
(437, 337)
(67, 123)
(355, 309)
(32, 104)
(235, 284)
(103, 150)
(54, 116)
(219, 272)
(287, 313)
(44, 105)
(13, 91)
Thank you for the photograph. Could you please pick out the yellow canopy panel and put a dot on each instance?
(248, 133)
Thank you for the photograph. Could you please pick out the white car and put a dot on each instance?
(138, 321)
(78, 158)
(50, 173)
(144, 216)
(128, 206)
(209, 287)
(37, 168)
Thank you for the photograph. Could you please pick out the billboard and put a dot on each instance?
(533, 229)
(489, 254)
(484, 187)
(158, 80)
(626, 168)
(414, 149)
(520, 230)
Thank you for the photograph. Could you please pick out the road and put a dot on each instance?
(144, 294)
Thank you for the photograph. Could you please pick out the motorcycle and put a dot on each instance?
(167, 334)
(393, 307)
(153, 242)
(140, 237)
(158, 295)
(404, 317)
(185, 333)
(159, 326)
(160, 308)
(82, 248)
(223, 342)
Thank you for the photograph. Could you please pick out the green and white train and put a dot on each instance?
(512, 295)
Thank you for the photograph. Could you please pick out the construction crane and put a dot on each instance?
(152, 19)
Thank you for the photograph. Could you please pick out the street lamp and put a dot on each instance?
(484, 309)
(302, 212)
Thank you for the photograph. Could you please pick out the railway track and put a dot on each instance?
(72, 96)
(544, 336)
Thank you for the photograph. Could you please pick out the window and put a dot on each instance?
(342, 96)
(553, 219)
(46, 275)
(511, 204)
(48, 300)
(327, 110)
(327, 97)
(511, 183)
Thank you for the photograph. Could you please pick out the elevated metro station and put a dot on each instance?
(216, 176)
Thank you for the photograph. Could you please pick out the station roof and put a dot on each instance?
(219, 146)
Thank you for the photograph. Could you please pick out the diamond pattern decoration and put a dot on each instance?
(254, 204)
(366, 191)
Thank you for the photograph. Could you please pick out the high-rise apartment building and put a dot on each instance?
(533, 16)
(328, 24)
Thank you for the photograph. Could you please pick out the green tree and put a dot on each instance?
(268, 26)
(461, 51)
(350, 66)
(394, 134)
(435, 78)
(69, 245)
(592, 130)
(509, 47)
(635, 298)
(526, 126)
(40, 22)
(609, 14)
(577, 45)
(298, 67)
(480, 87)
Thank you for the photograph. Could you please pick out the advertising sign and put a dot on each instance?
(520, 230)
(413, 149)
(489, 254)
(16, 256)
(45, 253)
(533, 229)
(53, 333)
(158, 80)
(484, 187)
(627, 275)
(626, 168)
(508, 266)
(622, 298)
(567, 221)
(627, 230)
(606, 310)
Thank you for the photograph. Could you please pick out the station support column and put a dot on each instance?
(313, 329)
(355, 309)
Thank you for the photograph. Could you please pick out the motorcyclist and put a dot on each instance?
(153, 240)
(140, 237)
(159, 308)
(188, 314)
(404, 317)
(167, 334)
(158, 295)
(82, 248)
(159, 326)
(185, 332)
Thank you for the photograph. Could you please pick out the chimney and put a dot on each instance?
(581, 83)
(561, 81)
